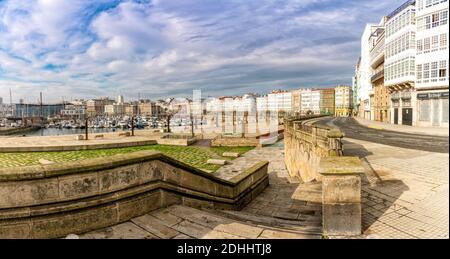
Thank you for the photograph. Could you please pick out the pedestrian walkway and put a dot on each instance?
(405, 192)
(69, 142)
(434, 131)
(283, 210)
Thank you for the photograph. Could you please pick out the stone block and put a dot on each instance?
(198, 183)
(196, 203)
(125, 134)
(45, 162)
(216, 161)
(230, 154)
(78, 186)
(25, 193)
(342, 219)
(155, 226)
(169, 198)
(119, 178)
(341, 165)
(79, 137)
(15, 230)
(150, 171)
(100, 136)
(341, 189)
(139, 205)
(56, 226)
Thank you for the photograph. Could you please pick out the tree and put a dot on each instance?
(168, 114)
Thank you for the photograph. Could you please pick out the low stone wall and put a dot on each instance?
(18, 130)
(305, 145)
(51, 201)
(235, 142)
(255, 141)
(176, 141)
(78, 147)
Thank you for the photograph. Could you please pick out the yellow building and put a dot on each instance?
(343, 100)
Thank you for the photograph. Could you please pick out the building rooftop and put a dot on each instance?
(401, 8)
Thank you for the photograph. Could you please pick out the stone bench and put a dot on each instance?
(124, 134)
(341, 195)
(79, 137)
(216, 161)
(230, 154)
(99, 136)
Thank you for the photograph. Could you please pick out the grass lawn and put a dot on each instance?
(192, 155)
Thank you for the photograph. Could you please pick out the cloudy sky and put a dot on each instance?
(159, 48)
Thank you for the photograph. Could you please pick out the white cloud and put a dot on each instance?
(84, 48)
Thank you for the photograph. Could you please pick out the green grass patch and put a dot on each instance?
(191, 155)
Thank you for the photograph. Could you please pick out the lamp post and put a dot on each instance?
(86, 128)
(132, 125)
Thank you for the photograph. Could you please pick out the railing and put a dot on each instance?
(377, 76)
(377, 49)
(395, 96)
(406, 95)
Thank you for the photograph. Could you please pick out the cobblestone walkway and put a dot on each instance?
(406, 192)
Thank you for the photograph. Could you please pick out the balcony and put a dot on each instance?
(395, 96)
(406, 95)
(377, 76)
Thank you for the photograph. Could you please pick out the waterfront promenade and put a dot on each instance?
(110, 140)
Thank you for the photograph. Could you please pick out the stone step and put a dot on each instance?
(216, 161)
(298, 226)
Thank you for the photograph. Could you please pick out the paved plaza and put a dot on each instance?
(405, 192)
(283, 210)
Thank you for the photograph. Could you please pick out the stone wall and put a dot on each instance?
(305, 145)
(51, 201)
(235, 142)
(77, 147)
(17, 130)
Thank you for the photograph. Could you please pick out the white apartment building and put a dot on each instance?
(364, 73)
(399, 66)
(432, 63)
(279, 101)
(261, 104)
(310, 101)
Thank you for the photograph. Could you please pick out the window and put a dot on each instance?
(427, 22)
(434, 72)
(435, 20)
(435, 42)
(424, 110)
(426, 45)
(444, 17)
(426, 70)
(443, 69)
(419, 72)
(443, 40)
(419, 46)
(444, 110)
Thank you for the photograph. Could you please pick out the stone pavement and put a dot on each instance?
(181, 222)
(282, 210)
(403, 128)
(405, 193)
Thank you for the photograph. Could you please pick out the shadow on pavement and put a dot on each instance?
(378, 195)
